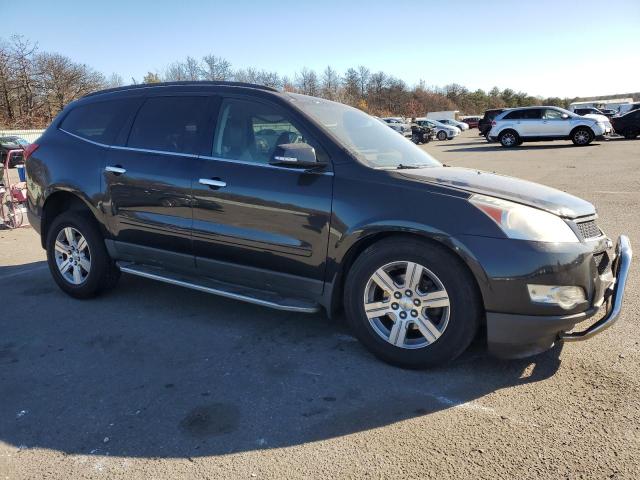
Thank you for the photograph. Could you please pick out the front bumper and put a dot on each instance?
(518, 336)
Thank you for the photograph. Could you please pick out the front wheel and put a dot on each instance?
(630, 133)
(582, 136)
(77, 256)
(442, 135)
(411, 303)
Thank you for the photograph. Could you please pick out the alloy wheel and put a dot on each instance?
(508, 139)
(581, 137)
(406, 305)
(73, 256)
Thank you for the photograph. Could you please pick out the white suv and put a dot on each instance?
(530, 124)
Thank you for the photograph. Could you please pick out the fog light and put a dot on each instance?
(565, 297)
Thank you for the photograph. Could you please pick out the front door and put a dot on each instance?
(147, 182)
(257, 224)
(553, 125)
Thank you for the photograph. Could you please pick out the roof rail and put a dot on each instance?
(203, 83)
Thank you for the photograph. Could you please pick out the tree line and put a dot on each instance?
(36, 85)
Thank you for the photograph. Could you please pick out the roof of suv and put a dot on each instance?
(201, 83)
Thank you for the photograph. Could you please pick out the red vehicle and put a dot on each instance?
(472, 121)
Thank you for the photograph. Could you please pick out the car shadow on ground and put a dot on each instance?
(152, 370)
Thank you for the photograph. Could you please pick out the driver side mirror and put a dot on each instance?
(295, 155)
(565, 116)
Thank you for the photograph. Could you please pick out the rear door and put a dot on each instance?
(530, 122)
(147, 181)
(257, 224)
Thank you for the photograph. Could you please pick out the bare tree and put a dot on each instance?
(307, 82)
(363, 80)
(216, 68)
(330, 83)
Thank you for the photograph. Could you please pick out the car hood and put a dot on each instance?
(597, 117)
(507, 188)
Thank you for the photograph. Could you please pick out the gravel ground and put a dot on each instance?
(154, 381)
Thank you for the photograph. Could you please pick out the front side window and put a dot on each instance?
(251, 131)
(168, 124)
(550, 114)
(99, 122)
(370, 141)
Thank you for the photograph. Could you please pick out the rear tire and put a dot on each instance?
(582, 136)
(442, 278)
(509, 139)
(77, 256)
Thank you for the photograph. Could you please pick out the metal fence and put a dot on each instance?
(29, 135)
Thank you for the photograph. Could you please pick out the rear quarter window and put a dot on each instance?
(99, 122)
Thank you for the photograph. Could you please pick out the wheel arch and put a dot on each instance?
(60, 201)
(333, 294)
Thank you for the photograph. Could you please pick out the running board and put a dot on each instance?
(209, 285)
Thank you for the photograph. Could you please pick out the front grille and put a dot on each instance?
(601, 261)
(589, 229)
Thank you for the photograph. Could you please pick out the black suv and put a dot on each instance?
(484, 124)
(299, 203)
(627, 124)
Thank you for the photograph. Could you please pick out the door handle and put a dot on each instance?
(213, 183)
(116, 170)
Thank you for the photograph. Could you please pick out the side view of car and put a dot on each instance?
(398, 125)
(292, 202)
(472, 121)
(454, 123)
(484, 124)
(12, 143)
(442, 131)
(627, 124)
(529, 124)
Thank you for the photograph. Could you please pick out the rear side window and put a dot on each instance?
(169, 124)
(515, 115)
(99, 122)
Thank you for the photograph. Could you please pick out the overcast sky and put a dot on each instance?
(543, 47)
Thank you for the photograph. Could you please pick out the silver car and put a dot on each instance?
(442, 131)
(529, 124)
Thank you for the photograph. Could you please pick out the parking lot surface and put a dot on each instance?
(156, 381)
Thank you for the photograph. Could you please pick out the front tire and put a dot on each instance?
(582, 136)
(442, 135)
(630, 133)
(77, 256)
(411, 303)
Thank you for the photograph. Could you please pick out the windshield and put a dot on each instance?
(369, 140)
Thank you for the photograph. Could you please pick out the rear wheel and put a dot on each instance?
(509, 138)
(582, 136)
(77, 256)
(413, 304)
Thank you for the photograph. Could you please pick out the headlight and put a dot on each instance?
(524, 223)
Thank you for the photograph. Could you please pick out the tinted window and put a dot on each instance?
(516, 114)
(99, 122)
(251, 131)
(169, 124)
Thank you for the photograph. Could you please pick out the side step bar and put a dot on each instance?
(209, 285)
